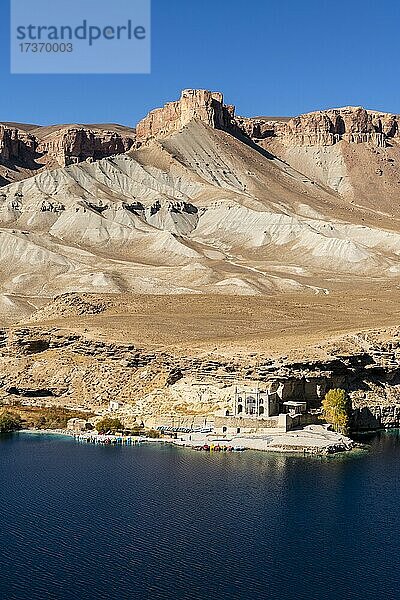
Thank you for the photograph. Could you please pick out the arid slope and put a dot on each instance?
(207, 203)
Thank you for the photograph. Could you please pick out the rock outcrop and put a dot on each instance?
(201, 105)
(319, 128)
(16, 145)
(376, 416)
(326, 127)
(76, 144)
(45, 361)
(25, 152)
(26, 149)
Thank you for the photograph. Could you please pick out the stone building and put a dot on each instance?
(251, 410)
(255, 403)
(254, 410)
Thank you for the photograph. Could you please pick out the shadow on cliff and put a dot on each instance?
(242, 137)
(25, 163)
(363, 419)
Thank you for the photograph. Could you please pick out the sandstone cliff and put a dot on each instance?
(319, 128)
(16, 144)
(320, 145)
(74, 144)
(201, 105)
(326, 127)
(353, 151)
(25, 151)
(17, 153)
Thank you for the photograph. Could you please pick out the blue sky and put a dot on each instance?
(268, 57)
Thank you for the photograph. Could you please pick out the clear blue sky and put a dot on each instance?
(268, 57)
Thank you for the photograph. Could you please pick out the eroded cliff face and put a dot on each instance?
(76, 144)
(201, 105)
(326, 127)
(353, 151)
(319, 128)
(305, 142)
(57, 367)
(24, 153)
(16, 144)
(320, 145)
(17, 154)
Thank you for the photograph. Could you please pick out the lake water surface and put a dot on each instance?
(161, 523)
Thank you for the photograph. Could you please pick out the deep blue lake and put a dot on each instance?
(84, 522)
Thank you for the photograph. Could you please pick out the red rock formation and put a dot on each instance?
(40, 147)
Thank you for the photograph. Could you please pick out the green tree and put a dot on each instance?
(337, 409)
(107, 424)
(9, 422)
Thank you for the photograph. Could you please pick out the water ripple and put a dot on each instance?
(162, 523)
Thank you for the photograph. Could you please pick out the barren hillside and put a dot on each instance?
(204, 203)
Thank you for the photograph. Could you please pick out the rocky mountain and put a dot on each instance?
(326, 127)
(199, 200)
(201, 249)
(351, 150)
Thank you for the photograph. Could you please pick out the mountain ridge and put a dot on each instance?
(199, 201)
